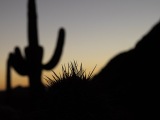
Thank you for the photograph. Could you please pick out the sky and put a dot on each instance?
(96, 30)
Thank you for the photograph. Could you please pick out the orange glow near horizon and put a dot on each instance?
(18, 80)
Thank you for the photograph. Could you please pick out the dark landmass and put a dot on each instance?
(127, 88)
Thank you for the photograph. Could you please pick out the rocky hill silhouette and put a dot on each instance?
(130, 81)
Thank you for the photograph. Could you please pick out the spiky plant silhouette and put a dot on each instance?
(68, 92)
(71, 73)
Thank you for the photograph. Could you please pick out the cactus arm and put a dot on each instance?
(18, 62)
(58, 51)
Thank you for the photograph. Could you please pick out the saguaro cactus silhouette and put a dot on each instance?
(31, 65)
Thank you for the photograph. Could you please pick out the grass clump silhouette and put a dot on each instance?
(72, 72)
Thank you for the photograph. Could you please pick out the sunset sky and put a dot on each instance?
(96, 30)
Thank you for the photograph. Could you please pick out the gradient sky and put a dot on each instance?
(96, 30)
